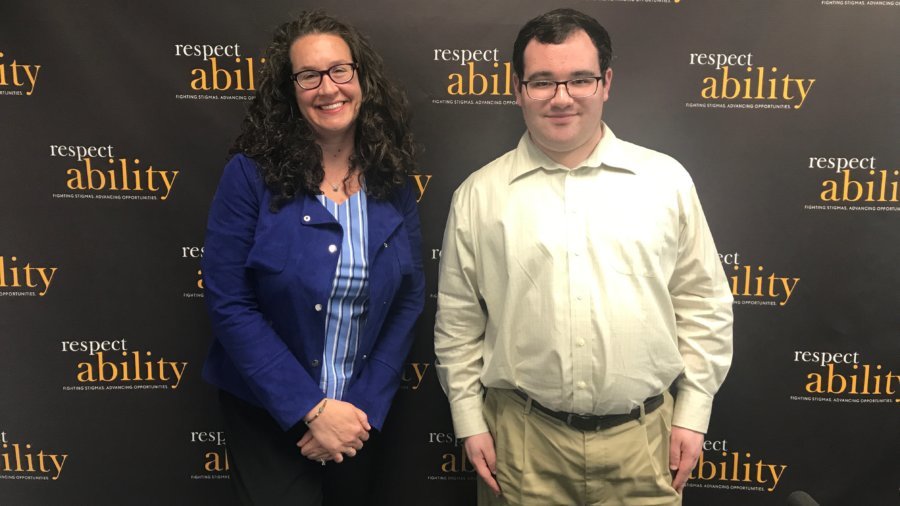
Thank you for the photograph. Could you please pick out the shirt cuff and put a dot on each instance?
(468, 419)
(692, 410)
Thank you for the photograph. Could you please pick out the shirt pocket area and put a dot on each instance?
(635, 256)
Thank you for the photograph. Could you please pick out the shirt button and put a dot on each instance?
(306, 218)
(332, 248)
(318, 307)
(314, 363)
(582, 385)
(385, 245)
(580, 342)
(365, 357)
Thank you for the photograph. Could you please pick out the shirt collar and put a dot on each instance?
(610, 152)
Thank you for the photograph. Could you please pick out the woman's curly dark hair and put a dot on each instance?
(281, 141)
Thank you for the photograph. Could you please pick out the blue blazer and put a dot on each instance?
(268, 277)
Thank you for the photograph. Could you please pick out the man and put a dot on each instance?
(578, 282)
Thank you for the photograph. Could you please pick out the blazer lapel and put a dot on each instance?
(312, 212)
(383, 221)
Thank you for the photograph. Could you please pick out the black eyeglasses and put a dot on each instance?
(312, 79)
(579, 87)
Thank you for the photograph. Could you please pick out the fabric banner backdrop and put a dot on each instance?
(115, 121)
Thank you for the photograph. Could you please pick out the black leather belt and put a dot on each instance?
(587, 423)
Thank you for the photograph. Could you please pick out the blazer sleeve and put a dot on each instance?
(268, 368)
(379, 380)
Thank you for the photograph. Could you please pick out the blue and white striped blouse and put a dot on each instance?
(349, 300)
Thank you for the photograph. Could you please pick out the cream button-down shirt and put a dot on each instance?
(589, 289)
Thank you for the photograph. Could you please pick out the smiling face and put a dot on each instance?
(566, 129)
(331, 109)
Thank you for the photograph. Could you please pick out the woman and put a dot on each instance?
(312, 268)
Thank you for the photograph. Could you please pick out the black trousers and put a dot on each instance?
(267, 468)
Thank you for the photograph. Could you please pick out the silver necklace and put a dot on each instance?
(334, 187)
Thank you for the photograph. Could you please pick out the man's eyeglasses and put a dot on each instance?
(312, 79)
(576, 88)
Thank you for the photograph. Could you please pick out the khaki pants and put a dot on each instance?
(542, 461)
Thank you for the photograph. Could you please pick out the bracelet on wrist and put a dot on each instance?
(318, 412)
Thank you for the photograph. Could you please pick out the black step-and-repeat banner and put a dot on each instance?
(115, 119)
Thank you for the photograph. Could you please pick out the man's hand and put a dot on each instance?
(684, 450)
(340, 429)
(480, 450)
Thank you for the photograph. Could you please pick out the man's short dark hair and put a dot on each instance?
(555, 27)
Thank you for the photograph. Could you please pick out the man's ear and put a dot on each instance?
(517, 90)
(607, 83)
